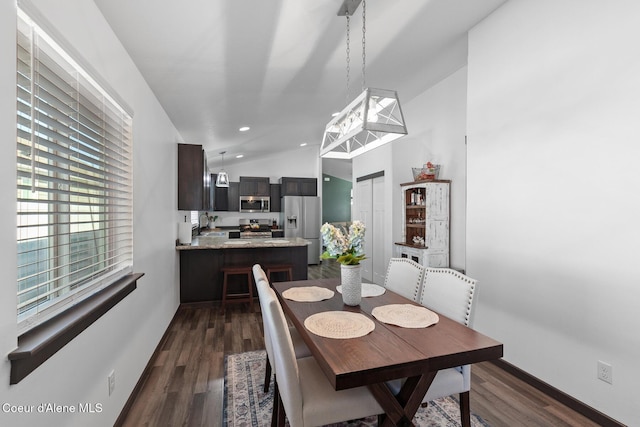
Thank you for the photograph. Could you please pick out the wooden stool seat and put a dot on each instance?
(228, 298)
(280, 268)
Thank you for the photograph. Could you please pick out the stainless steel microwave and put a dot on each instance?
(254, 204)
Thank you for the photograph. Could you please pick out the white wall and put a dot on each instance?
(340, 168)
(553, 206)
(436, 122)
(301, 162)
(123, 339)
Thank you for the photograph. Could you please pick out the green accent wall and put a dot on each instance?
(336, 199)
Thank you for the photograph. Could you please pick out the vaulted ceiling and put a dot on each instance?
(279, 66)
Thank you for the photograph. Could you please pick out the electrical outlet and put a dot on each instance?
(112, 381)
(605, 372)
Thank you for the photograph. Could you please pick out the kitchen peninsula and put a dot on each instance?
(201, 262)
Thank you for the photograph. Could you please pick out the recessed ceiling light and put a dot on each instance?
(303, 144)
(239, 156)
(244, 128)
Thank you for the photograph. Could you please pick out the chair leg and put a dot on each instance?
(465, 409)
(224, 293)
(276, 404)
(267, 375)
(250, 289)
(281, 414)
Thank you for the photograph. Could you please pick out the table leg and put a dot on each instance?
(465, 409)
(401, 408)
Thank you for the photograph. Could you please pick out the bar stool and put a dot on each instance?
(237, 297)
(280, 268)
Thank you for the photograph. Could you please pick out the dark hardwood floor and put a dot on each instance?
(184, 383)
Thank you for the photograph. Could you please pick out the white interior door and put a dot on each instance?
(364, 212)
(379, 267)
(370, 209)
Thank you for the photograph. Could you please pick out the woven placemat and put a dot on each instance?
(368, 290)
(405, 315)
(307, 294)
(339, 324)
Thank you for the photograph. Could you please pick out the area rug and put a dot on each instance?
(246, 404)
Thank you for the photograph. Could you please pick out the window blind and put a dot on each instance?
(74, 180)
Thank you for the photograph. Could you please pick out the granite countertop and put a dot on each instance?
(210, 242)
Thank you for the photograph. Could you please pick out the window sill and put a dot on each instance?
(40, 343)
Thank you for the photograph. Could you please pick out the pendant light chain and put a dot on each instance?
(364, 56)
(348, 52)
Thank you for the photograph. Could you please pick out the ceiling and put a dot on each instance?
(279, 66)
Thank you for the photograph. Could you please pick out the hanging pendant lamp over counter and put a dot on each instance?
(222, 180)
(373, 119)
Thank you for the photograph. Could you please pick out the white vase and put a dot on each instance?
(351, 281)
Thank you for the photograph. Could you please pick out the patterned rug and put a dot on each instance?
(246, 405)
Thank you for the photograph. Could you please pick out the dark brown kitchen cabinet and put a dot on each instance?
(220, 196)
(234, 196)
(227, 198)
(276, 205)
(254, 186)
(211, 191)
(291, 186)
(308, 187)
(201, 270)
(194, 179)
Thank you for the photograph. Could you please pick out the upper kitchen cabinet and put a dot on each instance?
(276, 206)
(221, 196)
(194, 179)
(227, 198)
(290, 186)
(254, 186)
(234, 196)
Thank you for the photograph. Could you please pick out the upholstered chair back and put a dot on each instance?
(449, 292)
(259, 274)
(404, 277)
(284, 360)
(263, 296)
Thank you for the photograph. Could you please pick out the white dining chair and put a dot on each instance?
(404, 277)
(303, 393)
(451, 294)
(301, 349)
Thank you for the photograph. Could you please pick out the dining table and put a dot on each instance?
(388, 352)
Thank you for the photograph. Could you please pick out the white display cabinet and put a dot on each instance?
(425, 223)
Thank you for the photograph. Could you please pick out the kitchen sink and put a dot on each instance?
(215, 234)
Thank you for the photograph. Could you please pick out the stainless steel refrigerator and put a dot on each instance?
(300, 217)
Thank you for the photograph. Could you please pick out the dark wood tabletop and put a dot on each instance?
(389, 352)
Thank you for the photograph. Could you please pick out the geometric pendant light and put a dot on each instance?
(373, 119)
